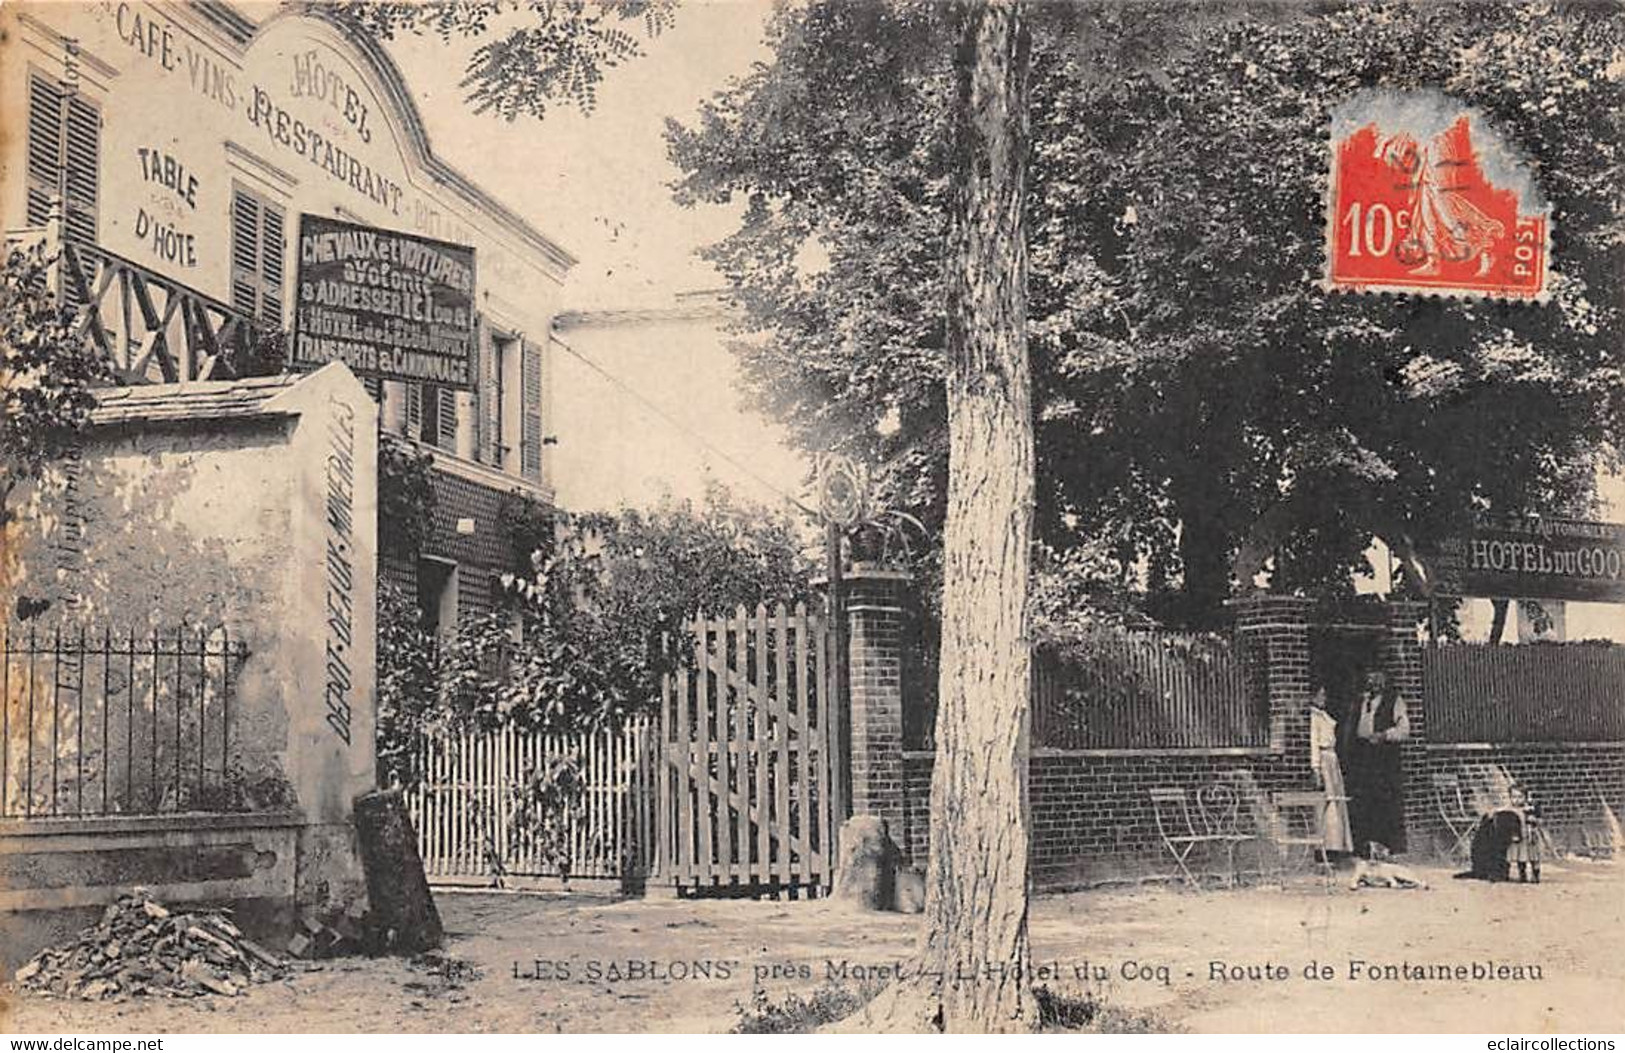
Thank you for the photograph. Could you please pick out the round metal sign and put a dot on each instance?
(843, 490)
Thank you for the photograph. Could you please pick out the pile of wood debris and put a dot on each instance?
(141, 948)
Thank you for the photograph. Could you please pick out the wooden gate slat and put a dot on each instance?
(705, 809)
(687, 831)
(663, 860)
(761, 740)
(729, 705)
(784, 865)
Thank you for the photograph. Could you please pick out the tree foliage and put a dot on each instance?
(532, 52)
(46, 375)
(583, 638)
(1201, 402)
(406, 496)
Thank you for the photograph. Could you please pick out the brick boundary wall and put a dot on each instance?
(1092, 819)
(1571, 783)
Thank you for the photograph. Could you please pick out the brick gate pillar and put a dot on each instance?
(1402, 659)
(1273, 634)
(876, 606)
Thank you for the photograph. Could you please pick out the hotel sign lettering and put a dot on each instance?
(386, 304)
(1535, 558)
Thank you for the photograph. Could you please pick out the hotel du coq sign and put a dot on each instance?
(1533, 558)
(387, 304)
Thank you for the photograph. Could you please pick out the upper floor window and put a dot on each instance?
(64, 155)
(258, 247)
(500, 392)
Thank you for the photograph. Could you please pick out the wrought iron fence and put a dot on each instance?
(98, 722)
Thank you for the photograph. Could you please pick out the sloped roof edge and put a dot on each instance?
(193, 400)
(242, 30)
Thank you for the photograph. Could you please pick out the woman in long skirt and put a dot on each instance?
(1329, 773)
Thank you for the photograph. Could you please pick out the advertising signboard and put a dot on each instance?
(387, 304)
(1534, 558)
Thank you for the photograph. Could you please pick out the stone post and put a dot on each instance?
(325, 642)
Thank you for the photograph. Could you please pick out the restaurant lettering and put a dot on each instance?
(173, 199)
(385, 303)
(1534, 558)
(159, 167)
(288, 131)
(311, 80)
(147, 35)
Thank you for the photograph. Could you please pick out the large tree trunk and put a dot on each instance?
(1498, 619)
(973, 966)
(1203, 500)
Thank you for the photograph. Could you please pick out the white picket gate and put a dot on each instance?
(464, 807)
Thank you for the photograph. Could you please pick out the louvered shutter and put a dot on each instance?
(84, 160)
(482, 390)
(46, 153)
(445, 435)
(245, 251)
(414, 410)
(44, 147)
(258, 247)
(530, 394)
(488, 425)
(273, 247)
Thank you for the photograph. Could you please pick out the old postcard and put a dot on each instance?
(837, 515)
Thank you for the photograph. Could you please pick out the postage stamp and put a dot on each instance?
(1426, 197)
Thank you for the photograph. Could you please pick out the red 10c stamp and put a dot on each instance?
(1427, 198)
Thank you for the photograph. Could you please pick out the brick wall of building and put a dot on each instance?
(480, 557)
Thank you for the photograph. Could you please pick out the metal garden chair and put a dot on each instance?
(1459, 816)
(1212, 822)
(1300, 823)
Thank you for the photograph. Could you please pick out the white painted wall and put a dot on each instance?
(614, 450)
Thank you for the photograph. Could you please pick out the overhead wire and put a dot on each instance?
(682, 428)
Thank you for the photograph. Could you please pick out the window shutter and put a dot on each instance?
(414, 410)
(446, 420)
(530, 393)
(487, 430)
(84, 159)
(258, 248)
(245, 251)
(44, 147)
(273, 247)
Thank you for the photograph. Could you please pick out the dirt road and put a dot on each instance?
(1508, 958)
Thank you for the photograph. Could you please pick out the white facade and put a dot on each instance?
(649, 406)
